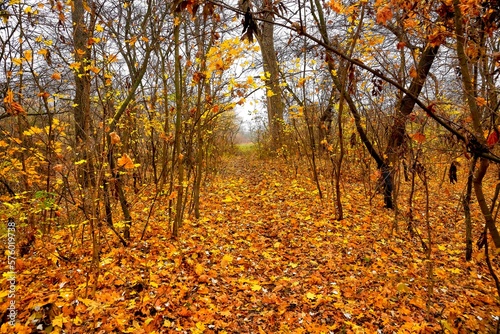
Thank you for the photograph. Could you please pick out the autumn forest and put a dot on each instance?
(249, 166)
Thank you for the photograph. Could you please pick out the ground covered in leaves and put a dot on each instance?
(267, 256)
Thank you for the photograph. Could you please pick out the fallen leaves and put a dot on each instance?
(269, 260)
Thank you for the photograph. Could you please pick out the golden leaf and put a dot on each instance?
(335, 6)
(28, 55)
(132, 41)
(9, 97)
(226, 259)
(125, 161)
(311, 295)
(198, 269)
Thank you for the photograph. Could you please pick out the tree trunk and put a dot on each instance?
(81, 108)
(275, 106)
(470, 96)
(398, 130)
(178, 133)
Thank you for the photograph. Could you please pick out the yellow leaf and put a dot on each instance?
(228, 199)
(270, 93)
(198, 269)
(28, 10)
(81, 162)
(125, 161)
(58, 321)
(99, 28)
(17, 61)
(403, 287)
(226, 260)
(310, 295)
(77, 321)
(293, 265)
(256, 287)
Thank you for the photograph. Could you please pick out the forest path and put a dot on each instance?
(266, 256)
(273, 259)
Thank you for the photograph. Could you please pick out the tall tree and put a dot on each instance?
(82, 32)
(265, 37)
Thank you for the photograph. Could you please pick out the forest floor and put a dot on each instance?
(267, 256)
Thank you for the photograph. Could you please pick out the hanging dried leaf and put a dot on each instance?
(125, 161)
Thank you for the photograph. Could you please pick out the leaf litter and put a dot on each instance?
(267, 256)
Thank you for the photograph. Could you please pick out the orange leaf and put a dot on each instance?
(15, 108)
(44, 95)
(115, 138)
(413, 73)
(125, 161)
(184, 312)
(419, 137)
(384, 14)
(480, 101)
(9, 97)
